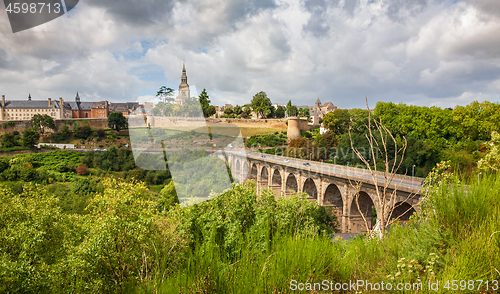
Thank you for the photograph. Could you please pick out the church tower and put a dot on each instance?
(183, 88)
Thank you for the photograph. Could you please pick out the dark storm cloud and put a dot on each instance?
(3, 59)
(137, 12)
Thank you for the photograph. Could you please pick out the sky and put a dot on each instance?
(428, 53)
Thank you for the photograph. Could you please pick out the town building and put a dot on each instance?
(80, 109)
(60, 109)
(26, 109)
(184, 93)
(318, 110)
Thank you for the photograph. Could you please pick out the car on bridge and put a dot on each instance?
(286, 160)
(263, 156)
(307, 164)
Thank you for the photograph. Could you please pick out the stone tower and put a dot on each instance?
(183, 88)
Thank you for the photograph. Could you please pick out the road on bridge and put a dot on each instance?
(400, 182)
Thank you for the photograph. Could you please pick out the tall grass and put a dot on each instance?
(456, 237)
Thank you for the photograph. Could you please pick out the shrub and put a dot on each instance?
(82, 170)
(100, 133)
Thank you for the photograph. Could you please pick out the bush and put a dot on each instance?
(168, 197)
(82, 170)
(100, 133)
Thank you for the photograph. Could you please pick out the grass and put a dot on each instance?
(248, 132)
(457, 237)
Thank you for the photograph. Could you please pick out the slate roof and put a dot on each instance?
(33, 104)
(118, 107)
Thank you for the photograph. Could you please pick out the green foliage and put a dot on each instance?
(41, 122)
(262, 105)
(10, 140)
(280, 112)
(30, 138)
(304, 112)
(228, 217)
(337, 121)
(491, 162)
(121, 232)
(35, 237)
(9, 124)
(168, 197)
(208, 110)
(117, 121)
(271, 140)
(291, 110)
(165, 94)
(83, 132)
(112, 159)
(191, 108)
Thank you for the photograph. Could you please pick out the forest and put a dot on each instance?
(462, 135)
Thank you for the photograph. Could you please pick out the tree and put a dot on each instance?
(83, 132)
(168, 197)
(380, 140)
(337, 121)
(291, 110)
(208, 110)
(280, 112)
(165, 94)
(304, 112)
(30, 138)
(117, 121)
(40, 122)
(228, 111)
(65, 132)
(237, 110)
(191, 108)
(491, 161)
(261, 105)
(9, 140)
(247, 110)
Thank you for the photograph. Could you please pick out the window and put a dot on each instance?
(86, 114)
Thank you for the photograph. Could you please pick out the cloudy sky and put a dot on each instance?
(442, 53)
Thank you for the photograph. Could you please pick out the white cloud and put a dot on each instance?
(419, 52)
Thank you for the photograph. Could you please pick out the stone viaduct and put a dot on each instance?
(329, 185)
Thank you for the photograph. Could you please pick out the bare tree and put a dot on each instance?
(383, 195)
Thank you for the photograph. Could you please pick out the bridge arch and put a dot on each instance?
(276, 179)
(245, 170)
(333, 197)
(366, 207)
(310, 188)
(253, 172)
(264, 177)
(276, 182)
(291, 183)
(236, 171)
(402, 211)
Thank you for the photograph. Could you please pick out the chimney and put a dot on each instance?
(3, 101)
(49, 102)
(61, 101)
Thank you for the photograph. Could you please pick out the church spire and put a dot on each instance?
(29, 97)
(183, 76)
(77, 98)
